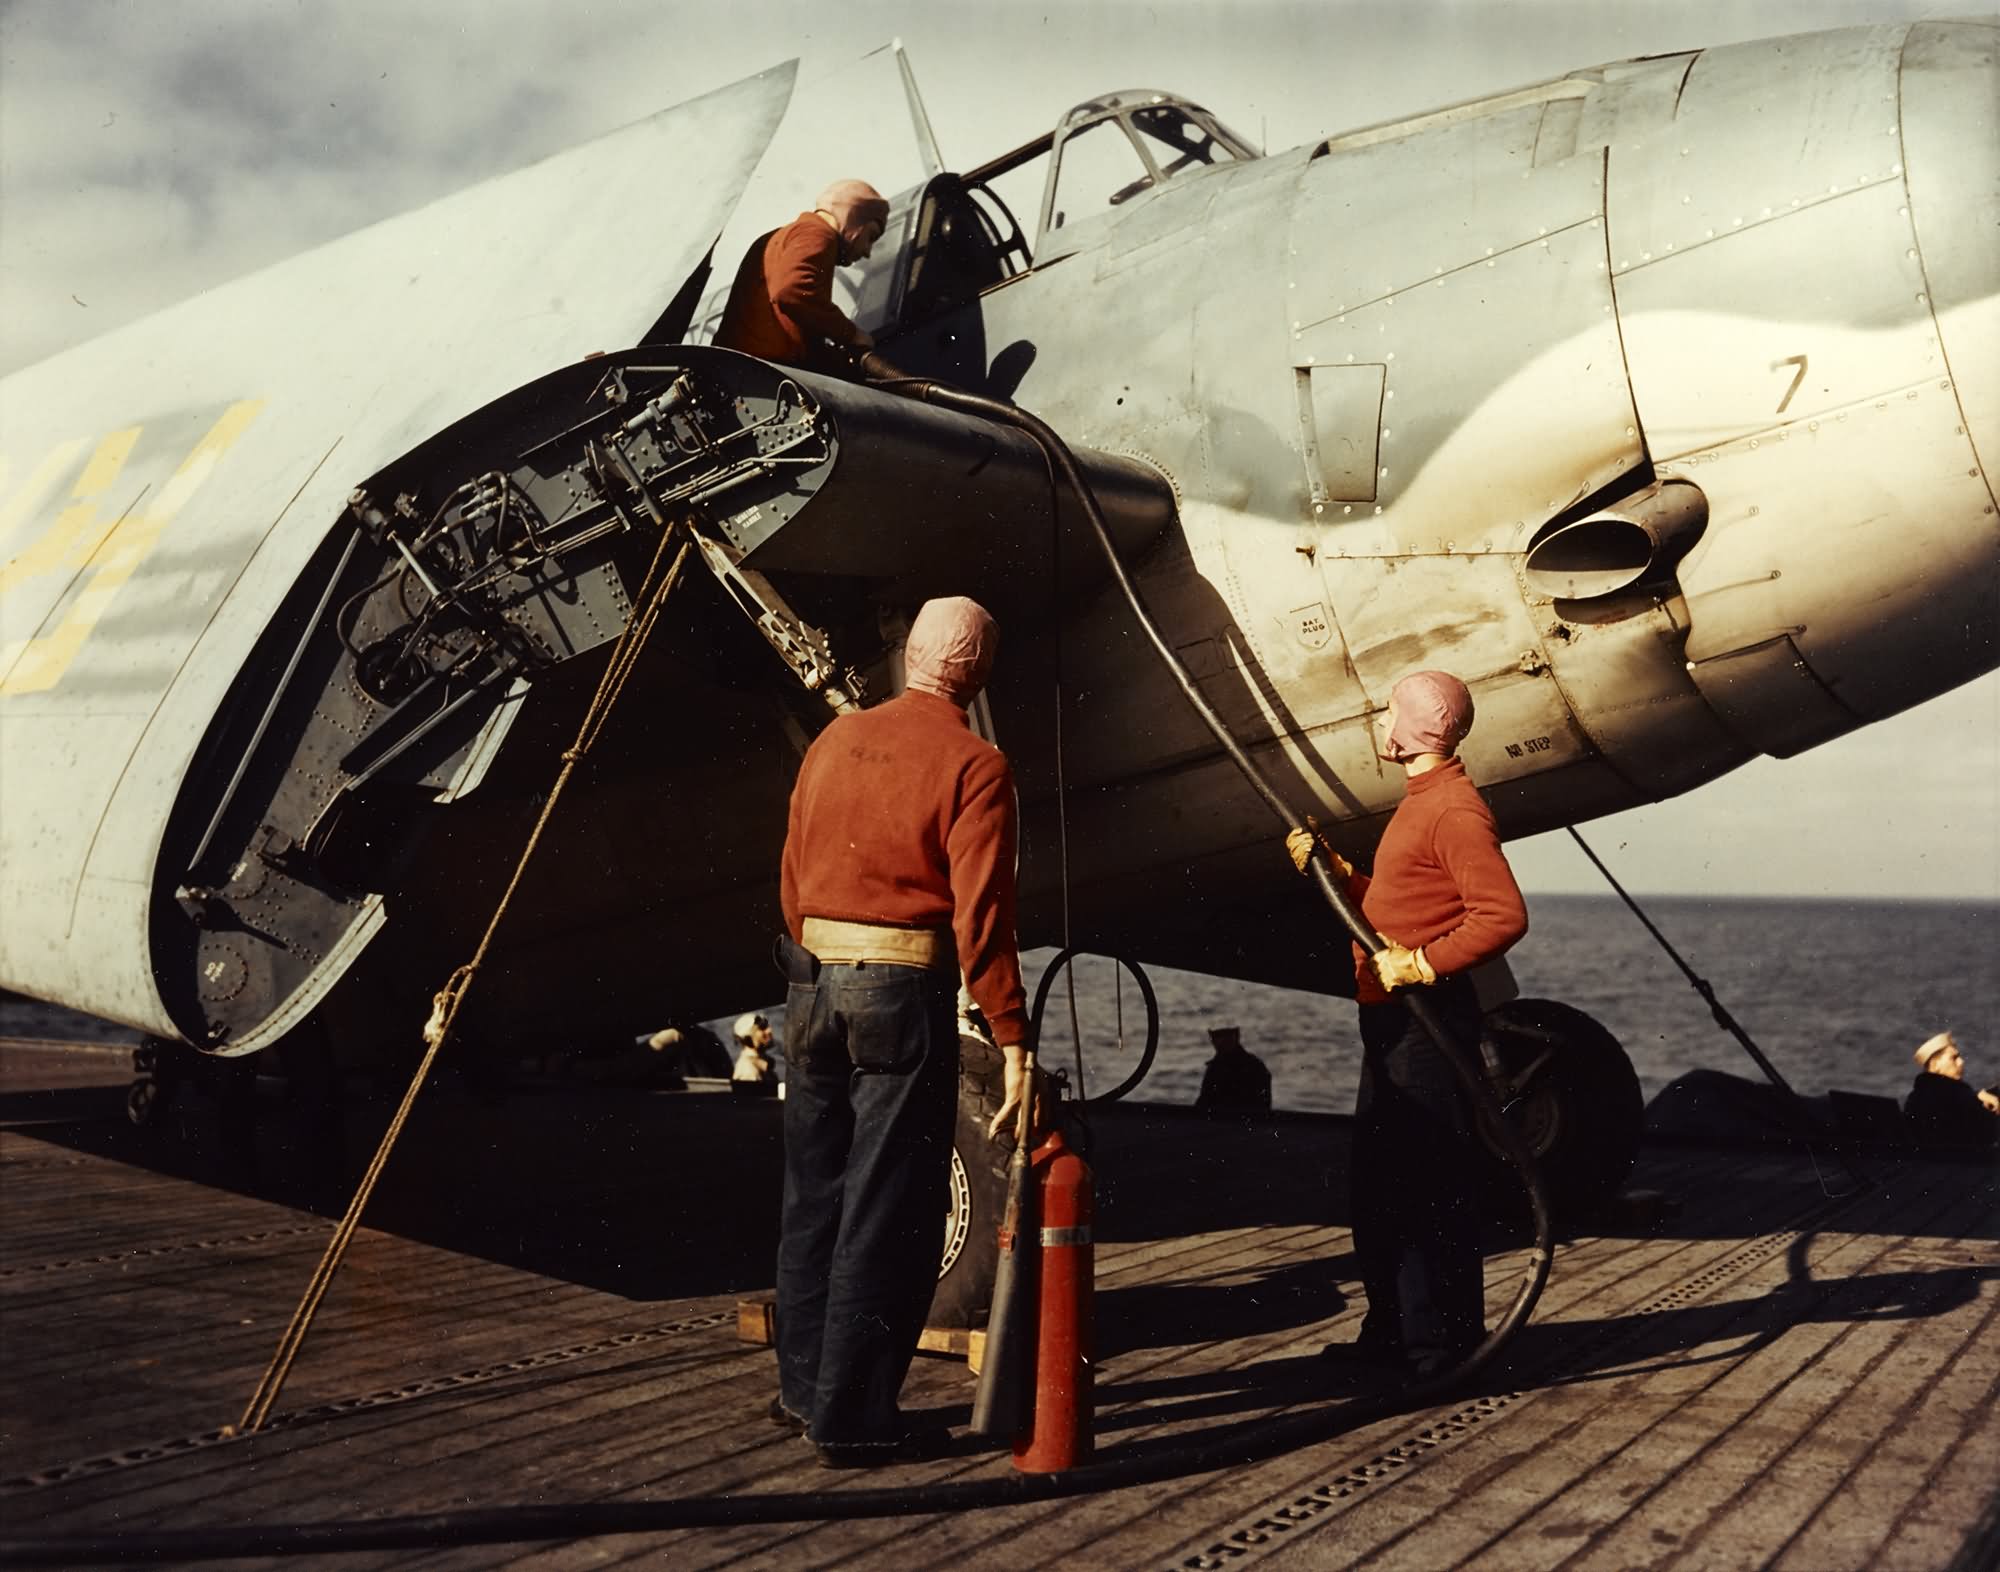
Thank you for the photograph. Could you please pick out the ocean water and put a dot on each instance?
(1837, 994)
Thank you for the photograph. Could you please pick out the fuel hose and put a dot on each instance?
(1512, 1145)
(1235, 1445)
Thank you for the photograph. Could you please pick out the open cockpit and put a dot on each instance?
(957, 236)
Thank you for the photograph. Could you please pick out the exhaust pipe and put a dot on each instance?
(1638, 539)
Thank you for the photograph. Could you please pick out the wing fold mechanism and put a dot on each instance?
(469, 578)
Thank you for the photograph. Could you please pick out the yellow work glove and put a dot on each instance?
(1299, 845)
(1396, 967)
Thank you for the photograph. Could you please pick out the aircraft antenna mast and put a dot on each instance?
(920, 121)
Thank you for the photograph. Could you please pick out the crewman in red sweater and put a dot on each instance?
(1444, 900)
(898, 875)
(781, 305)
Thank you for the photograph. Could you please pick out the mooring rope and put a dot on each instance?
(639, 624)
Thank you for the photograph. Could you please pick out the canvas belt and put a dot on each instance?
(835, 942)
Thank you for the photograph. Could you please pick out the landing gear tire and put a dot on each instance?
(1578, 1103)
(976, 1195)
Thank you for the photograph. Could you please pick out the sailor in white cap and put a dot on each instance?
(1939, 1055)
(1941, 1108)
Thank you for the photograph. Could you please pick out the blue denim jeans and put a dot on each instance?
(870, 1099)
(1414, 1179)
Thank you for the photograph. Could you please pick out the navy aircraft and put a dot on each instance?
(1657, 400)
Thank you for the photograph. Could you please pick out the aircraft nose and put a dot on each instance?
(1813, 335)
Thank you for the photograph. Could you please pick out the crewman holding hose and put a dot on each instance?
(1444, 900)
(898, 874)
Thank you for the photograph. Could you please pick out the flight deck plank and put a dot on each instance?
(1771, 1377)
(1619, 1447)
(1637, 1454)
(1942, 1429)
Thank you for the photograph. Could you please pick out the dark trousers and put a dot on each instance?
(870, 1098)
(1413, 1179)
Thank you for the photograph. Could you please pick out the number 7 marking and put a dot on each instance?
(1797, 377)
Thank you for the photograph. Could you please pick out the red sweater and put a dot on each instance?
(902, 816)
(781, 304)
(1441, 883)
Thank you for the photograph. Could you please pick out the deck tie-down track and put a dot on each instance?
(1385, 1465)
(1390, 1463)
(340, 1408)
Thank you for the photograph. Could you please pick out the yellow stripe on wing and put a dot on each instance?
(76, 532)
(36, 665)
(23, 504)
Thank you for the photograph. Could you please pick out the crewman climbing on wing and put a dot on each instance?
(898, 873)
(781, 304)
(1444, 900)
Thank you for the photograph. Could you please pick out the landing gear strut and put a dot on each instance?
(158, 1074)
(164, 1069)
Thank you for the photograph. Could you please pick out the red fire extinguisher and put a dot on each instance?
(1058, 1432)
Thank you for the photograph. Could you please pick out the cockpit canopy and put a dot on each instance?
(1111, 149)
(957, 236)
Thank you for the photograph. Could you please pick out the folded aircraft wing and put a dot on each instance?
(163, 488)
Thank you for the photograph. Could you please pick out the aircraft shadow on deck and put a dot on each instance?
(656, 1196)
(649, 1196)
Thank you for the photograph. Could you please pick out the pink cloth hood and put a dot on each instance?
(1433, 714)
(851, 201)
(950, 649)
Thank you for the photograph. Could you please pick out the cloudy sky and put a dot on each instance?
(152, 148)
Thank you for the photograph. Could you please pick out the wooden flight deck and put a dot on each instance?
(543, 1308)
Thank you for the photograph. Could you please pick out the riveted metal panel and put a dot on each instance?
(1523, 727)
(1771, 699)
(1762, 131)
(1638, 99)
(1161, 225)
(1800, 542)
(1506, 397)
(1951, 145)
(1619, 662)
(1778, 325)
(1556, 138)
(1372, 221)
(1340, 422)
(1399, 614)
